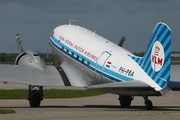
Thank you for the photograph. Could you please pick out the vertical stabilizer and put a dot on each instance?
(157, 59)
(19, 43)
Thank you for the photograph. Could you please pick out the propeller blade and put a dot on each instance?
(121, 42)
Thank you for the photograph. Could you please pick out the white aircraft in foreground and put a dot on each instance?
(91, 61)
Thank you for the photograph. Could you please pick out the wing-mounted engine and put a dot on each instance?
(29, 58)
(36, 68)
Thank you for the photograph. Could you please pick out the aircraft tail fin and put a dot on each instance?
(19, 43)
(157, 59)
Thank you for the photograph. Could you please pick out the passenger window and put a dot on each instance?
(83, 60)
(77, 57)
(62, 47)
(72, 54)
(88, 63)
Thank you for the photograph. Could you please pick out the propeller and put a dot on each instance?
(121, 42)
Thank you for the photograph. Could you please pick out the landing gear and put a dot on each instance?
(125, 101)
(148, 103)
(35, 95)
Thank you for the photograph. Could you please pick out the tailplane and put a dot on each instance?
(157, 59)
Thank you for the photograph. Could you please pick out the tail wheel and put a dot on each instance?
(149, 105)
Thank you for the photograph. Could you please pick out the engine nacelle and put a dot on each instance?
(29, 58)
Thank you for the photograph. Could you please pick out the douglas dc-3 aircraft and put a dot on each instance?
(93, 62)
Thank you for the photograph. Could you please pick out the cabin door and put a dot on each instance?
(100, 64)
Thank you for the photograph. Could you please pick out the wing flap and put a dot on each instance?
(29, 75)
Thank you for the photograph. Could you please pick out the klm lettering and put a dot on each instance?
(157, 60)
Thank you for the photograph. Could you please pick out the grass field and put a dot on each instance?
(50, 94)
(8, 111)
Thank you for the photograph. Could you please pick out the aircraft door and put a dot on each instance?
(100, 66)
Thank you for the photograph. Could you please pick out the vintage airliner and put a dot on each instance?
(91, 61)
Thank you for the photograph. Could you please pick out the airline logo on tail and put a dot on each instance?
(157, 56)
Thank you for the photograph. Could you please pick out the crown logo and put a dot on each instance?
(157, 49)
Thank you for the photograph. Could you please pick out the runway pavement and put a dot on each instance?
(103, 107)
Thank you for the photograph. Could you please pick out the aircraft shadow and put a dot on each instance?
(109, 107)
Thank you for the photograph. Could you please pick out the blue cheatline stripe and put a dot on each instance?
(93, 66)
(162, 34)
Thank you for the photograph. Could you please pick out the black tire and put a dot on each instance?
(125, 101)
(35, 99)
(149, 105)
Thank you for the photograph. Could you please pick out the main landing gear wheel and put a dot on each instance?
(35, 96)
(125, 101)
(148, 103)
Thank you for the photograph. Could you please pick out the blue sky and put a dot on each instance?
(112, 19)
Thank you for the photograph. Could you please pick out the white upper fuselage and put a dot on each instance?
(107, 61)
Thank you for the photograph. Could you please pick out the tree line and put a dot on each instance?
(49, 58)
(11, 57)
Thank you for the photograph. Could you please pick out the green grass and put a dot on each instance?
(175, 62)
(7, 62)
(50, 94)
(2, 111)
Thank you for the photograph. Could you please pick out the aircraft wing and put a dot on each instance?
(134, 87)
(31, 76)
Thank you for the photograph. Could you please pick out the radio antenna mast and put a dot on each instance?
(70, 21)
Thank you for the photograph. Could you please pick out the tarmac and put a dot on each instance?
(102, 107)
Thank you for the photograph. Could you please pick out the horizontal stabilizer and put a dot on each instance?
(174, 85)
(130, 84)
(135, 88)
